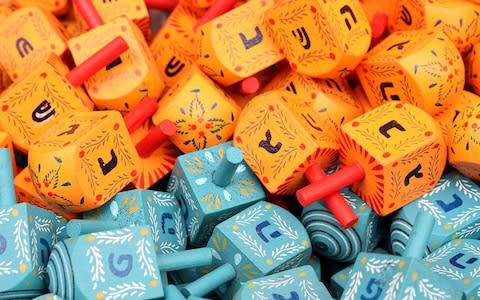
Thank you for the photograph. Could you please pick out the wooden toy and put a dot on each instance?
(159, 210)
(204, 114)
(31, 105)
(384, 276)
(48, 297)
(281, 137)
(261, 240)
(299, 283)
(454, 203)
(236, 45)
(212, 185)
(331, 240)
(28, 36)
(389, 156)
(127, 80)
(457, 19)
(57, 7)
(25, 240)
(421, 67)
(320, 39)
(459, 261)
(6, 142)
(472, 68)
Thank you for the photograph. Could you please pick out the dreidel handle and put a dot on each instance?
(97, 61)
(185, 259)
(219, 8)
(172, 292)
(335, 202)
(80, 227)
(155, 138)
(225, 170)
(249, 86)
(89, 13)
(7, 188)
(167, 5)
(137, 116)
(332, 183)
(418, 239)
(210, 281)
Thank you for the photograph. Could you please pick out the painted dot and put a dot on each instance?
(219, 25)
(98, 197)
(30, 14)
(432, 183)
(138, 7)
(271, 21)
(123, 28)
(143, 231)
(399, 105)
(400, 72)
(15, 212)
(302, 146)
(293, 66)
(77, 46)
(391, 205)
(238, 68)
(14, 76)
(100, 295)
(386, 154)
(138, 73)
(269, 261)
(238, 139)
(167, 35)
(133, 173)
(428, 133)
(271, 108)
(153, 283)
(265, 179)
(22, 268)
(355, 123)
(281, 51)
(467, 281)
(116, 126)
(332, 56)
(313, 9)
(395, 164)
(4, 107)
(313, 95)
(81, 154)
(66, 144)
(363, 260)
(43, 75)
(447, 226)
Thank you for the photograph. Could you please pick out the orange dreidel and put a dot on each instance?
(203, 113)
(236, 45)
(421, 67)
(128, 79)
(29, 106)
(390, 156)
(28, 36)
(457, 19)
(6, 142)
(56, 7)
(319, 38)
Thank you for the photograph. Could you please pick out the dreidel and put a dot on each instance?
(27, 235)
(28, 36)
(379, 276)
(457, 19)
(451, 202)
(203, 113)
(123, 83)
(320, 39)
(421, 67)
(459, 261)
(31, 105)
(235, 45)
(56, 7)
(212, 185)
(6, 142)
(390, 156)
(159, 210)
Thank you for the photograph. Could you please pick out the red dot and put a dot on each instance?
(81, 154)
(271, 21)
(302, 146)
(77, 46)
(395, 164)
(332, 56)
(52, 46)
(57, 3)
(134, 173)
(400, 72)
(477, 116)
(30, 14)
(123, 28)
(193, 127)
(5, 107)
(167, 35)
(436, 146)
(49, 194)
(43, 75)
(138, 7)
(265, 179)
(281, 51)
(219, 25)
(391, 205)
(14, 76)
(27, 179)
(399, 105)
(270, 108)
(365, 70)
(386, 154)
(238, 139)
(116, 126)
(201, 134)
(293, 66)
(313, 9)
(22, 194)
(66, 144)
(138, 73)
(428, 133)
(238, 68)
(355, 123)
(432, 183)
(313, 95)
(98, 197)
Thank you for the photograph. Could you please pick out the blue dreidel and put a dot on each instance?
(26, 237)
(212, 184)
(459, 261)
(383, 276)
(48, 297)
(300, 283)
(159, 210)
(331, 240)
(454, 203)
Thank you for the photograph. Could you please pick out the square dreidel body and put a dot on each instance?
(124, 82)
(28, 36)
(83, 160)
(204, 114)
(236, 45)
(212, 185)
(159, 210)
(299, 283)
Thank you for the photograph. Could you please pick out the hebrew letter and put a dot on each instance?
(374, 290)
(293, 296)
(23, 47)
(455, 258)
(260, 233)
(386, 127)
(121, 258)
(249, 43)
(164, 217)
(73, 128)
(383, 87)
(173, 67)
(43, 112)
(347, 10)
(414, 173)
(302, 36)
(107, 167)
(406, 16)
(457, 201)
(266, 144)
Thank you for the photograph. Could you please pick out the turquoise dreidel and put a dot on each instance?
(454, 203)
(383, 276)
(48, 297)
(210, 281)
(212, 185)
(459, 261)
(333, 241)
(159, 210)
(26, 237)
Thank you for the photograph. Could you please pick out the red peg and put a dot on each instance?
(88, 13)
(379, 25)
(156, 137)
(136, 117)
(249, 86)
(96, 62)
(334, 201)
(219, 8)
(166, 5)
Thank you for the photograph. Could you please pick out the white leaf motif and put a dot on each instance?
(201, 181)
(227, 195)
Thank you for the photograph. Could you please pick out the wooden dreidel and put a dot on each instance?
(390, 156)
(159, 210)
(299, 283)
(25, 240)
(204, 114)
(459, 261)
(333, 241)
(454, 203)
(212, 185)
(56, 7)
(123, 83)
(236, 45)
(28, 36)
(6, 142)
(421, 67)
(472, 68)
(384, 276)
(261, 240)
(325, 40)
(457, 19)
(50, 91)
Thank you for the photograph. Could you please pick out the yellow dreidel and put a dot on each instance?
(56, 7)
(422, 67)
(457, 19)
(128, 79)
(28, 36)
(319, 38)
(203, 113)
(236, 45)
(6, 142)
(31, 105)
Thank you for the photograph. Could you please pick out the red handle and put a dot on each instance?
(156, 137)
(219, 8)
(167, 5)
(140, 114)
(88, 12)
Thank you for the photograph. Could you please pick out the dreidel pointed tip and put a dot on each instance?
(249, 86)
(155, 138)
